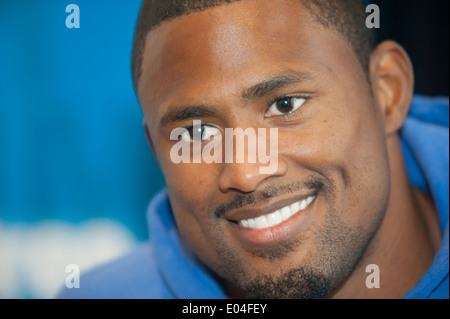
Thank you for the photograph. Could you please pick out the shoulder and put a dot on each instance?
(133, 275)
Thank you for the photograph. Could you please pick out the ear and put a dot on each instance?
(392, 79)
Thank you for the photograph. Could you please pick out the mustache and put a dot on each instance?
(241, 200)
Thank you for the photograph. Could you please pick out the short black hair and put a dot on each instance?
(347, 17)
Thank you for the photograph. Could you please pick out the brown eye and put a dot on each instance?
(285, 106)
(200, 133)
(199, 130)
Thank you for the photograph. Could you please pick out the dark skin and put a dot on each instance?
(344, 135)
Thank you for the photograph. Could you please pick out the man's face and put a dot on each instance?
(268, 64)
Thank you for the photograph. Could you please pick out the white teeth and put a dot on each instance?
(245, 223)
(295, 207)
(278, 216)
(303, 204)
(261, 222)
(286, 212)
(274, 219)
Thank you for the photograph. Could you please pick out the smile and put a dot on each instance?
(278, 216)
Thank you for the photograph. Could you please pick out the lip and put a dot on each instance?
(274, 235)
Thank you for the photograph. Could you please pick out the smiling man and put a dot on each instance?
(361, 179)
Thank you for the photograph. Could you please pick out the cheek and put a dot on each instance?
(347, 146)
(191, 185)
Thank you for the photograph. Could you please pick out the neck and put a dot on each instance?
(404, 246)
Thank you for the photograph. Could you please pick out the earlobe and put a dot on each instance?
(392, 79)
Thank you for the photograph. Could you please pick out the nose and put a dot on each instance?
(246, 177)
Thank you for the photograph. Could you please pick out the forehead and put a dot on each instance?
(226, 48)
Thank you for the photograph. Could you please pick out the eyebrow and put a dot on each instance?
(181, 114)
(263, 88)
(276, 82)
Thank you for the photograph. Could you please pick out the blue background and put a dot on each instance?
(73, 154)
(71, 139)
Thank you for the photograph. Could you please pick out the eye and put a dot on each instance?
(285, 106)
(199, 133)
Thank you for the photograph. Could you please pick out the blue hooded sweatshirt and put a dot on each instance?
(164, 267)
